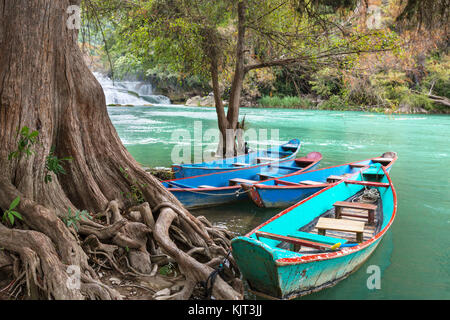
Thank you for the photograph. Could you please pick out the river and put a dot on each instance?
(414, 256)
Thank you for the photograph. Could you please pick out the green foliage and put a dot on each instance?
(416, 101)
(135, 194)
(74, 218)
(167, 270)
(11, 214)
(438, 78)
(326, 82)
(334, 103)
(54, 164)
(285, 102)
(27, 139)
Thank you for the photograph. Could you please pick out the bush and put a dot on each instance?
(438, 77)
(417, 101)
(334, 103)
(326, 82)
(285, 102)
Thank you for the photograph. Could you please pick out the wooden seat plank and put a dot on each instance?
(368, 183)
(235, 181)
(371, 208)
(309, 182)
(333, 178)
(315, 237)
(240, 164)
(265, 159)
(325, 224)
(287, 183)
(355, 205)
(296, 242)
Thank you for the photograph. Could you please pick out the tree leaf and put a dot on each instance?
(18, 215)
(11, 218)
(14, 203)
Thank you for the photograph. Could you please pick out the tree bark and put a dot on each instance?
(229, 125)
(46, 86)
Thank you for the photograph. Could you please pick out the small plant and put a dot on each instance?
(54, 164)
(167, 269)
(27, 139)
(135, 194)
(10, 214)
(73, 218)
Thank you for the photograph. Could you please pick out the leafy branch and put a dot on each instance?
(135, 194)
(54, 164)
(74, 218)
(27, 139)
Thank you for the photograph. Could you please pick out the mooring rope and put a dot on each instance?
(209, 283)
(237, 192)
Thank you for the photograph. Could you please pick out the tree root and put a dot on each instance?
(125, 246)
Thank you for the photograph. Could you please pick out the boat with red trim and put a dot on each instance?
(286, 151)
(282, 192)
(320, 240)
(225, 187)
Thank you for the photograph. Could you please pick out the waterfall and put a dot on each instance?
(129, 92)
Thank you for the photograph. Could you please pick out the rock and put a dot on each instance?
(199, 101)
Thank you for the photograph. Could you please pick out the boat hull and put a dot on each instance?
(200, 198)
(288, 281)
(214, 189)
(279, 198)
(278, 273)
(220, 165)
(268, 195)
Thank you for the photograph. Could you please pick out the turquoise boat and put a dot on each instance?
(321, 240)
(285, 151)
(283, 192)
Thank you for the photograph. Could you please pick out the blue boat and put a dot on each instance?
(321, 240)
(224, 187)
(285, 151)
(285, 191)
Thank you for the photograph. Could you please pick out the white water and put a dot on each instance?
(129, 92)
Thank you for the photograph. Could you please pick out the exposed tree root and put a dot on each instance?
(125, 246)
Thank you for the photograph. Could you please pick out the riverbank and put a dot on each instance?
(335, 103)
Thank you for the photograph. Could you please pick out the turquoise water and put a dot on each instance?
(414, 256)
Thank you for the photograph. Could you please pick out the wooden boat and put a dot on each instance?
(285, 151)
(223, 187)
(285, 191)
(320, 240)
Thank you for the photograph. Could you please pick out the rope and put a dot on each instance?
(368, 196)
(209, 283)
(237, 192)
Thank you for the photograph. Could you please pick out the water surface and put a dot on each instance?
(414, 255)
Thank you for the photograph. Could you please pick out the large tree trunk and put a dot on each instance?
(46, 86)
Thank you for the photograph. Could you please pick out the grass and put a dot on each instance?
(284, 102)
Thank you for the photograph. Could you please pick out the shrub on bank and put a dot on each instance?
(285, 102)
